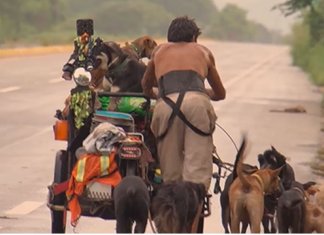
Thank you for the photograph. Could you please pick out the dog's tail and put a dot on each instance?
(241, 155)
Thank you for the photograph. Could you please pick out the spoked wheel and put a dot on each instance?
(58, 214)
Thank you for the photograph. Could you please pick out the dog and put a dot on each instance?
(314, 208)
(246, 194)
(314, 218)
(131, 204)
(272, 159)
(291, 209)
(141, 47)
(224, 201)
(177, 205)
(120, 69)
(123, 74)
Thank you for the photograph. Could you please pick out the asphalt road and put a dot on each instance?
(258, 78)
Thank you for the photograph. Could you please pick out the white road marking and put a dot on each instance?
(9, 89)
(56, 80)
(251, 69)
(24, 208)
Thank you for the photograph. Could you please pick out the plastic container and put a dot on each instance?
(61, 130)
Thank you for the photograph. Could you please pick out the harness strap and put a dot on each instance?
(176, 106)
(137, 51)
(184, 119)
(175, 111)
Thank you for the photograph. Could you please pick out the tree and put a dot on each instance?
(313, 15)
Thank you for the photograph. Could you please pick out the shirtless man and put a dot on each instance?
(184, 119)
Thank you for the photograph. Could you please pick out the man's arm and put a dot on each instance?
(149, 80)
(217, 91)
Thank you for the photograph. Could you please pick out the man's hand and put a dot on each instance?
(211, 94)
(67, 76)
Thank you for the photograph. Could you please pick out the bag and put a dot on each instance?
(61, 130)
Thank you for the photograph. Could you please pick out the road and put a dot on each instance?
(258, 78)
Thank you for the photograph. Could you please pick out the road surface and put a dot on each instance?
(258, 78)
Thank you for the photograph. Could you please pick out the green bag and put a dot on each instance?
(131, 105)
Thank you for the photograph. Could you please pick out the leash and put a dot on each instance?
(228, 135)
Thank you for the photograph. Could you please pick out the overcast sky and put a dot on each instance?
(260, 11)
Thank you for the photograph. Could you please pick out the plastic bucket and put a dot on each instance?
(61, 130)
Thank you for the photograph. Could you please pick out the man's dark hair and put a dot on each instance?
(183, 29)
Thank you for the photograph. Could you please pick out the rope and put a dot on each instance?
(227, 135)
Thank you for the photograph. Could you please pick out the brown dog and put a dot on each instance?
(246, 194)
(314, 214)
(140, 48)
(121, 62)
(177, 205)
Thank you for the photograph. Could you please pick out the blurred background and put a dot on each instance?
(269, 53)
(25, 23)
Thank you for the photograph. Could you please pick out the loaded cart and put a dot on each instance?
(127, 148)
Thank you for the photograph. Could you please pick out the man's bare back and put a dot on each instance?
(186, 56)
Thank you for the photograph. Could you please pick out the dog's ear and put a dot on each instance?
(149, 43)
(273, 149)
(277, 171)
(260, 159)
(308, 184)
(281, 158)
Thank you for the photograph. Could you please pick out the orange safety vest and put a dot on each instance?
(90, 167)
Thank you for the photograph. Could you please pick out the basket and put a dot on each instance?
(61, 130)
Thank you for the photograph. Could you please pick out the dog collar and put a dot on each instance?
(138, 52)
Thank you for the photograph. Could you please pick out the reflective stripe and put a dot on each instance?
(81, 170)
(104, 165)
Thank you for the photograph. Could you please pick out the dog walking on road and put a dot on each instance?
(246, 194)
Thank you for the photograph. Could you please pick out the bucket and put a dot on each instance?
(61, 130)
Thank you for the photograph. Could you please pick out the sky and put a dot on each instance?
(260, 11)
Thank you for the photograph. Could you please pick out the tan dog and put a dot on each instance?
(246, 194)
(314, 218)
(314, 214)
(140, 48)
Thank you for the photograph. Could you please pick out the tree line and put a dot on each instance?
(307, 40)
(53, 21)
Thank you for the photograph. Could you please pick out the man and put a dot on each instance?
(184, 119)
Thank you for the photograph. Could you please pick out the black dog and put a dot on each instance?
(132, 202)
(123, 73)
(272, 159)
(176, 206)
(291, 209)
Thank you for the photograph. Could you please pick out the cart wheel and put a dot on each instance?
(60, 175)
